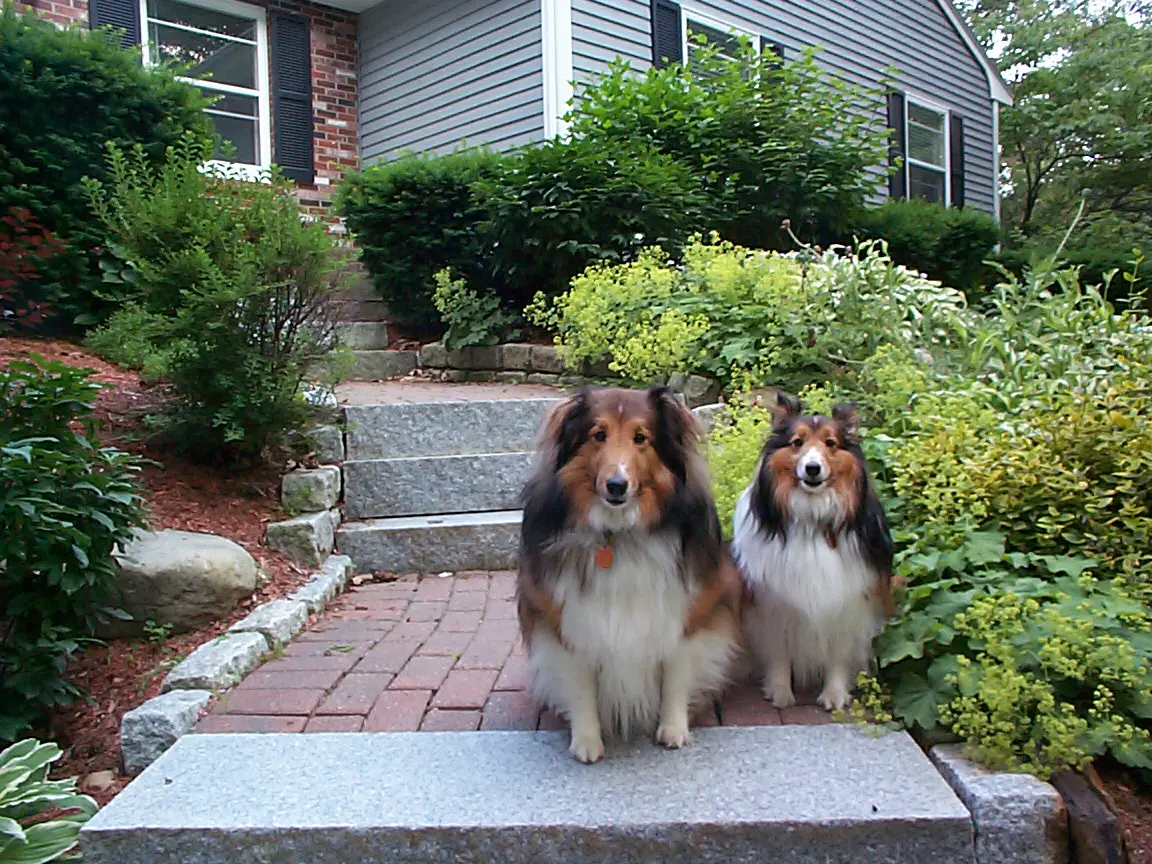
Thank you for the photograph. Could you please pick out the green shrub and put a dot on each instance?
(470, 319)
(65, 505)
(28, 833)
(731, 313)
(770, 141)
(1093, 264)
(945, 243)
(414, 217)
(556, 208)
(228, 296)
(68, 92)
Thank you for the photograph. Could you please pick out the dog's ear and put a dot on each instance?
(845, 414)
(787, 409)
(674, 430)
(568, 427)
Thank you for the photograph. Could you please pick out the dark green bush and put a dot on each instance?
(556, 208)
(1094, 264)
(65, 504)
(228, 294)
(772, 142)
(66, 93)
(414, 217)
(946, 243)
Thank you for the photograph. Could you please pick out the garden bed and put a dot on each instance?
(124, 673)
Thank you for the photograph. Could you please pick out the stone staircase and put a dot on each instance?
(435, 486)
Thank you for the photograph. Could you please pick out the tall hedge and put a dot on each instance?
(66, 94)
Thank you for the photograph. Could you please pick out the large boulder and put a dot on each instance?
(180, 578)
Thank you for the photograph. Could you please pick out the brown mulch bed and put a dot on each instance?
(1131, 801)
(180, 494)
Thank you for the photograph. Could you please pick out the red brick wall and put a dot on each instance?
(335, 63)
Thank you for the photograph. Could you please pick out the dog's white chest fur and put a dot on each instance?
(817, 598)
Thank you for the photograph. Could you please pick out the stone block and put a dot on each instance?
(307, 490)
(323, 587)
(147, 731)
(306, 539)
(709, 415)
(1018, 818)
(805, 795)
(546, 358)
(434, 544)
(699, 390)
(444, 428)
(181, 578)
(516, 357)
(277, 621)
(433, 356)
(485, 357)
(543, 378)
(480, 377)
(416, 485)
(362, 335)
(510, 377)
(458, 358)
(219, 664)
(327, 443)
(379, 365)
(455, 376)
(1095, 832)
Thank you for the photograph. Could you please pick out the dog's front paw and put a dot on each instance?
(779, 695)
(834, 697)
(673, 735)
(587, 748)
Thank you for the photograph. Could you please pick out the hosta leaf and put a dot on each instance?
(45, 842)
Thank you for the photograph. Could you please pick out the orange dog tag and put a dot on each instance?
(604, 556)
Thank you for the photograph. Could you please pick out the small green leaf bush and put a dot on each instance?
(67, 92)
(414, 217)
(733, 313)
(26, 794)
(947, 244)
(1014, 452)
(227, 296)
(470, 318)
(65, 504)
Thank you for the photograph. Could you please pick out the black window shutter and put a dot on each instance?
(897, 185)
(667, 36)
(121, 14)
(956, 156)
(768, 44)
(291, 52)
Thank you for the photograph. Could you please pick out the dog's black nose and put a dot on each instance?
(616, 486)
(812, 469)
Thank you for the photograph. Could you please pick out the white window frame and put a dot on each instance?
(263, 86)
(687, 13)
(919, 101)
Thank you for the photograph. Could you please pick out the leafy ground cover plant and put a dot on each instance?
(471, 319)
(28, 835)
(1014, 454)
(228, 291)
(65, 504)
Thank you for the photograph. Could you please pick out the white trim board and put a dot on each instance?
(996, 85)
(556, 52)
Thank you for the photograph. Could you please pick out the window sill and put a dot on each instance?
(237, 171)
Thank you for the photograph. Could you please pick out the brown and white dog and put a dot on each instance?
(812, 542)
(628, 600)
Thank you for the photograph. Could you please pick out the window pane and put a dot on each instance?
(925, 135)
(727, 43)
(208, 57)
(230, 102)
(239, 132)
(926, 183)
(202, 19)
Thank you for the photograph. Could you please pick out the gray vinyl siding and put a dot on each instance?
(858, 41)
(436, 75)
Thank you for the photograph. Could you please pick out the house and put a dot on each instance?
(322, 87)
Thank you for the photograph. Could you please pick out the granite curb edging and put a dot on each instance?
(150, 729)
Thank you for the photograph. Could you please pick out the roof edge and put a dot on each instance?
(997, 86)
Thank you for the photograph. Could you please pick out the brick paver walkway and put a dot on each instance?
(432, 653)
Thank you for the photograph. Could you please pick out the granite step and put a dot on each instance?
(433, 544)
(362, 335)
(425, 485)
(448, 428)
(802, 794)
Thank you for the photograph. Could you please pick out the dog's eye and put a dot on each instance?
(600, 435)
(830, 444)
(797, 443)
(639, 438)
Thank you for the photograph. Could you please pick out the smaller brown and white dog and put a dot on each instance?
(812, 542)
(628, 600)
